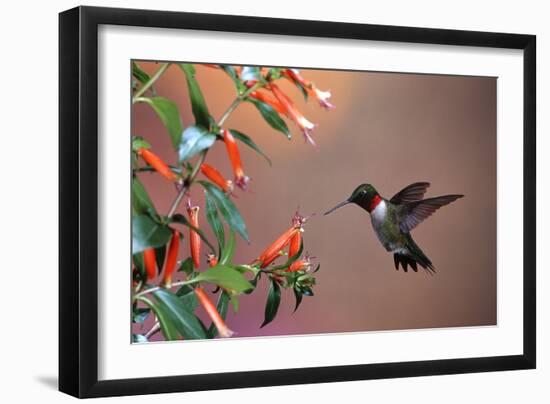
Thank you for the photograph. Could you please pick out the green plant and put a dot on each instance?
(155, 236)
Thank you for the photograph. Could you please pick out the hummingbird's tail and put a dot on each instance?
(412, 256)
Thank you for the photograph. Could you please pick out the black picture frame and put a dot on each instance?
(78, 200)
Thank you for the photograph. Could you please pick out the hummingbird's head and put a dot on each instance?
(364, 195)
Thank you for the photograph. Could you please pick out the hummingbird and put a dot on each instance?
(393, 219)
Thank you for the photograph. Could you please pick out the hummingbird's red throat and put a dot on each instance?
(374, 202)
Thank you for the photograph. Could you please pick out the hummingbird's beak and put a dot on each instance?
(337, 206)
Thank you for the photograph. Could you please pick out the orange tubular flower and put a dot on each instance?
(215, 176)
(272, 252)
(157, 163)
(300, 265)
(233, 152)
(296, 240)
(212, 312)
(194, 238)
(150, 262)
(171, 259)
(321, 96)
(292, 112)
(273, 102)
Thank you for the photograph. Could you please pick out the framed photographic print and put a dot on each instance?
(263, 201)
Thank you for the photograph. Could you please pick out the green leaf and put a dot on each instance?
(222, 306)
(226, 277)
(186, 266)
(183, 320)
(166, 322)
(179, 218)
(198, 105)
(271, 116)
(233, 74)
(190, 301)
(139, 143)
(169, 114)
(215, 222)
(140, 314)
(235, 303)
(139, 338)
(229, 250)
(160, 254)
(249, 142)
(299, 297)
(141, 203)
(138, 262)
(194, 140)
(273, 301)
(146, 233)
(139, 74)
(227, 208)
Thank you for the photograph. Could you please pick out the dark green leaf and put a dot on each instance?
(222, 306)
(271, 117)
(190, 301)
(169, 114)
(141, 203)
(138, 262)
(167, 325)
(140, 314)
(194, 140)
(146, 233)
(239, 85)
(229, 250)
(184, 321)
(227, 208)
(139, 143)
(139, 338)
(225, 277)
(139, 74)
(299, 297)
(186, 266)
(198, 105)
(179, 218)
(215, 223)
(160, 253)
(249, 142)
(184, 290)
(273, 301)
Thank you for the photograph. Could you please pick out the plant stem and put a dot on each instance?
(154, 329)
(151, 81)
(155, 288)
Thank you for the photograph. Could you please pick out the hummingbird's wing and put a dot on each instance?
(410, 193)
(413, 213)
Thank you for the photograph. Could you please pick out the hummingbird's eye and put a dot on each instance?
(363, 192)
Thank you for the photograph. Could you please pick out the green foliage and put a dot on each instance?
(222, 306)
(185, 322)
(215, 223)
(273, 301)
(249, 142)
(194, 140)
(169, 114)
(198, 104)
(227, 209)
(146, 233)
(225, 277)
(271, 116)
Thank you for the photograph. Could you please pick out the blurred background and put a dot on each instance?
(389, 130)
